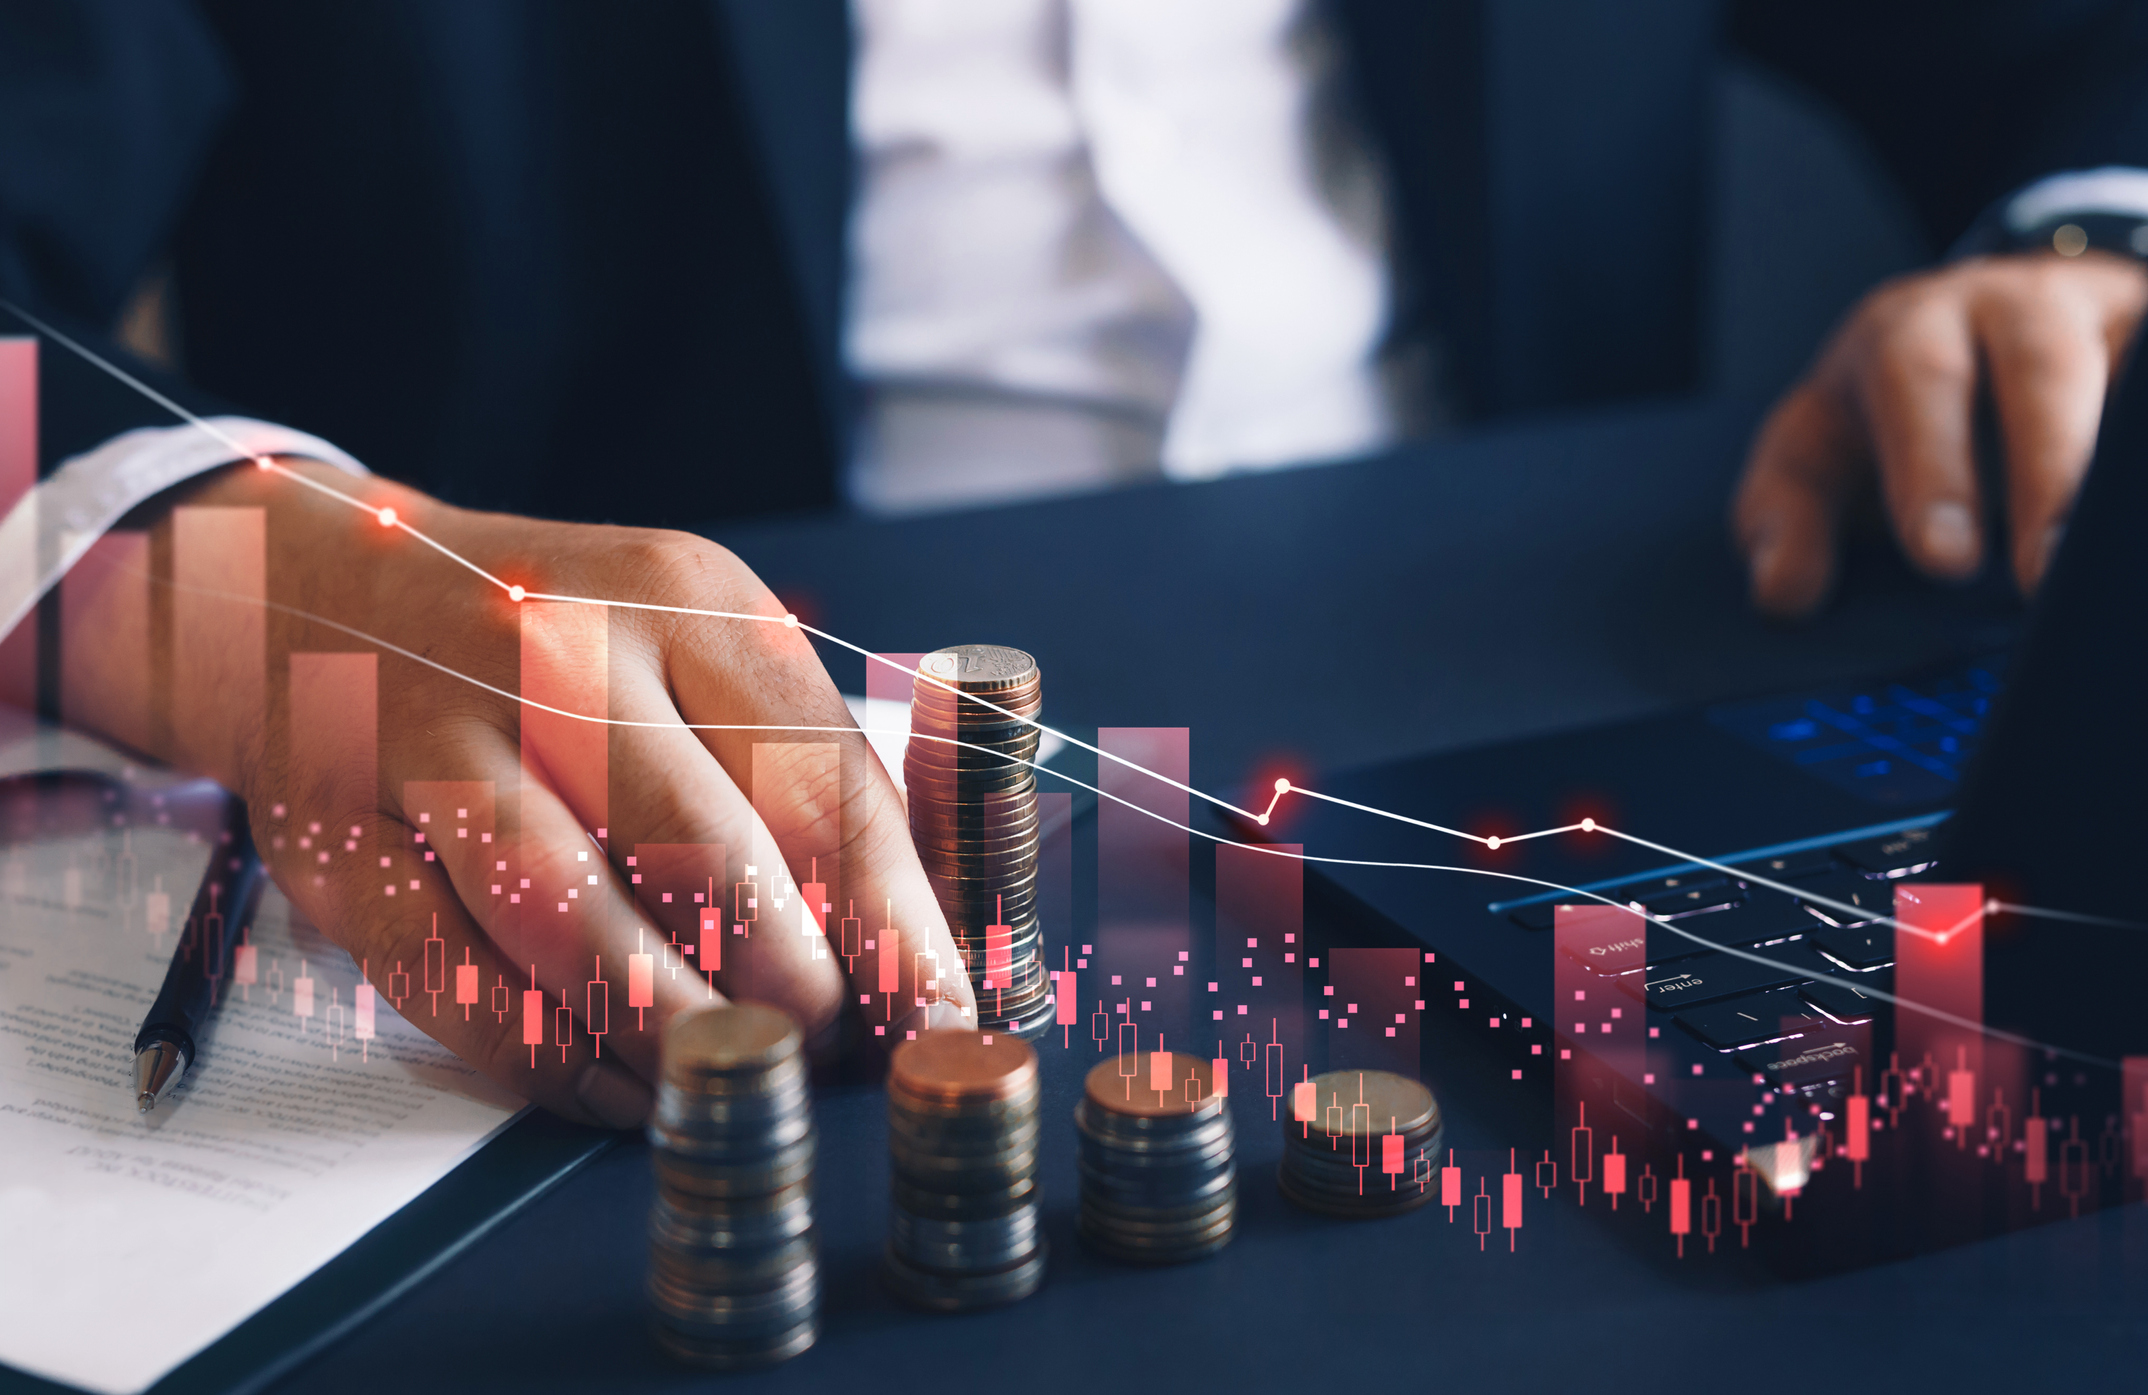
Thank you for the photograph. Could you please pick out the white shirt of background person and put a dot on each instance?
(1099, 241)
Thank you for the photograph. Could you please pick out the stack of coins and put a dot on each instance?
(973, 814)
(962, 1136)
(732, 1268)
(1353, 1141)
(1158, 1184)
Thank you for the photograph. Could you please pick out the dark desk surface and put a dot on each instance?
(1536, 579)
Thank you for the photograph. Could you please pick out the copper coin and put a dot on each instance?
(737, 1038)
(954, 1065)
(1349, 1103)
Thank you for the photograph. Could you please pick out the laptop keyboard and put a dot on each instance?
(1892, 743)
(1824, 960)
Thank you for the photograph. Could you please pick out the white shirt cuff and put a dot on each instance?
(2117, 190)
(50, 528)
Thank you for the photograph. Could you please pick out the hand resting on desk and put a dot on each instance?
(557, 779)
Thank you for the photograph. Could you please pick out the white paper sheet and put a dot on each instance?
(290, 1141)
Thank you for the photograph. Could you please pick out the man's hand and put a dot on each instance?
(1891, 401)
(543, 897)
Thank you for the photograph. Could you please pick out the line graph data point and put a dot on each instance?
(1588, 825)
(1492, 842)
(790, 622)
(1282, 786)
(1261, 819)
(387, 518)
(264, 462)
(515, 593)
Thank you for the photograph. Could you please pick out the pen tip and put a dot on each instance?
(147, 1102)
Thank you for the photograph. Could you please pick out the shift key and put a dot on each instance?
(1707, 977)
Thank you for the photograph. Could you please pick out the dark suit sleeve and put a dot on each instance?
(1968, 100)
(106, 110)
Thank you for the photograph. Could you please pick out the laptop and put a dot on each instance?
(1828, 1089)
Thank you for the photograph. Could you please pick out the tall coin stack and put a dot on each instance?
(732, 1267)
(1158, 1180)
(973, 814)
(1352, 1140)
(962, 1137)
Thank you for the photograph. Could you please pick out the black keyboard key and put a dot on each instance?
(1774, 920)
(1849, 901)
(1709, 977)
(1611, 944)
(1793, 867)
(1803, 1062)
(1691, 899)
(1901, 854)
(1841, 1000)
(1859, 949)
(1751, 1020)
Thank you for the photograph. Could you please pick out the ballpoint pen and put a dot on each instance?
(165, 1048)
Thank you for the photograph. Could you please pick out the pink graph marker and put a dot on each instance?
(435, 964)
(533, 1017)
(1510, 1200)
(597, 1011)
(1857, 1128)
(246, 966)
(2035, 1150)
(641, 987)
(1614, 1183)
(362, 1024)
(999, 953)
(1450, 1186)
(466, 985)
(1681, 1206)
(1065, 1006)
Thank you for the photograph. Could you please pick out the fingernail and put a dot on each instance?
(616, 1097)
(1949, 535)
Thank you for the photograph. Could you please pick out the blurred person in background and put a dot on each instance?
(664, 263)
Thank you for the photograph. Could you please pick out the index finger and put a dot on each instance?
(776, 722)
(2050, 361)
